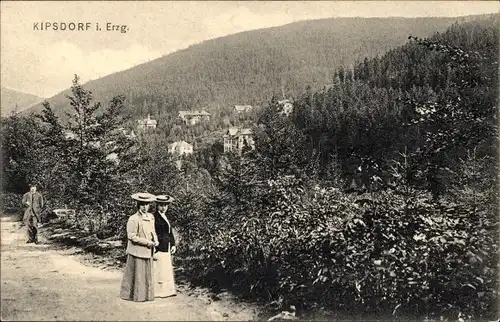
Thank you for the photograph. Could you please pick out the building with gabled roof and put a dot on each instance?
(242, 108)
(147, 123)
(194, 117)
(236, 138)
(286, 107)
(180, 148)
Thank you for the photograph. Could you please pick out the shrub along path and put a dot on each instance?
(40, 282)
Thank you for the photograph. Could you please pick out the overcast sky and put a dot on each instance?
(44, 62)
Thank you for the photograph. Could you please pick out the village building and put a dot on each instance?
(286, 107)
(194, 117)
(235, 139)
(178, 164)
(242, 108)
(146, 124)
(95, 144)
(113, 157)
(180, 148)
(69, 135)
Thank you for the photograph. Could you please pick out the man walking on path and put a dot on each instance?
(33, 201)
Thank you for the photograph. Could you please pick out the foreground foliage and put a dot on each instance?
(385, 253)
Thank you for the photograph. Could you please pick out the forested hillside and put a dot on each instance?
(249, 67)
(16, 101)
(389, 104)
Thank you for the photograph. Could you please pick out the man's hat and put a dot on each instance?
(164, 199)
(143, 196)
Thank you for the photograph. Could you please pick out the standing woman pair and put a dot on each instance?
(150, 240)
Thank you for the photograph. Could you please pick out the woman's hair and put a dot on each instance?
(140, 203)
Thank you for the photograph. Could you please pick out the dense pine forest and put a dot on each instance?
(377, 196)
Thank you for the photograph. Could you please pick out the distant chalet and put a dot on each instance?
(180, 148)
(242, 108)
(146, 124)
(194, 117)
(69, 135)
(235, 139)
(286, 107)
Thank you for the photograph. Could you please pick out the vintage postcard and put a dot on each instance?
(249, 160)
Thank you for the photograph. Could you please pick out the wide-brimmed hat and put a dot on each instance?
(143, 197)
(164, 199)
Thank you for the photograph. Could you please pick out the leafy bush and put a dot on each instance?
(384, 253)
(11, 203)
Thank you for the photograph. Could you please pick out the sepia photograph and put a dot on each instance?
(249, 161)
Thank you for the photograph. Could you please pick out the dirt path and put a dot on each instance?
(40, 284)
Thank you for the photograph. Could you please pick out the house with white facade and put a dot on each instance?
(146, 124)
(180, 148)
(242, 108)
(286, 107)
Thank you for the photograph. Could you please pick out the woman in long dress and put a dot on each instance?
(162, 265)
(137, 284)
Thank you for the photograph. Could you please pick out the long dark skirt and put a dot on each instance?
(137, 283)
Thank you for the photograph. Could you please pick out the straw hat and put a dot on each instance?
(164, 199)
(143, 196)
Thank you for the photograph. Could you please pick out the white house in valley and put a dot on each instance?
(286, 106)
(180, 148)
(242, 108)
(146, 124)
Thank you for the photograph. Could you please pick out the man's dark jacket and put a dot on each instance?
(34, 204)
